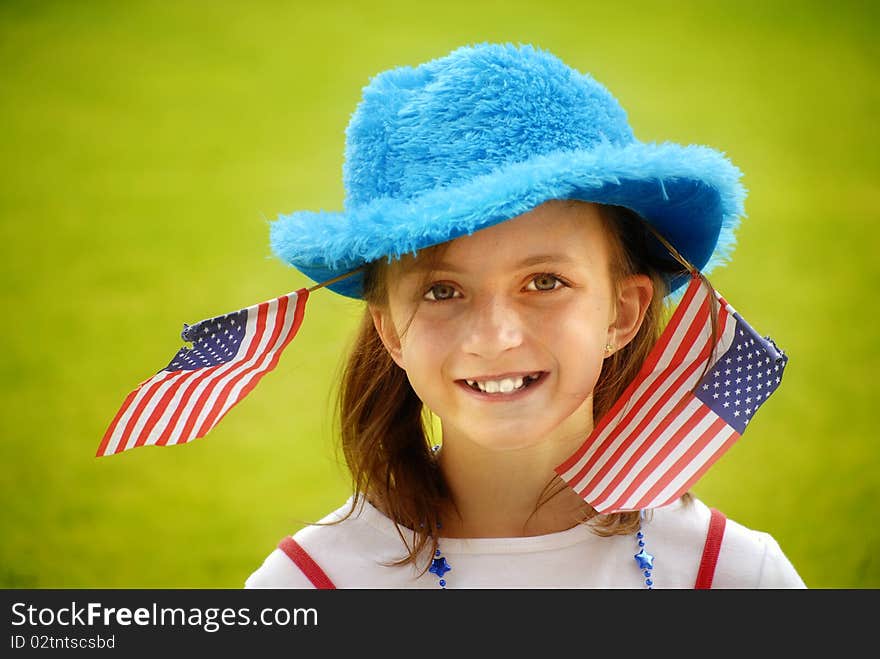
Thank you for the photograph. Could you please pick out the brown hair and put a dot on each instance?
(385, 431)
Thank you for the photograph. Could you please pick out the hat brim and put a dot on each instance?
(691, 194)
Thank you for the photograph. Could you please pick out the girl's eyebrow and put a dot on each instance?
(538, 259)
(528, 262)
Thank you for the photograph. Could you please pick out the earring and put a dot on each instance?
(609, 347)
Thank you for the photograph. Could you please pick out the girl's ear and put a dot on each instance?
(634, 295)
(387, 332)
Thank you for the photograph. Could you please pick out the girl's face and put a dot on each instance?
(505, 339)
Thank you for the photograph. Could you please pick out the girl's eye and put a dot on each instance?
(544, 282)
(439, 292)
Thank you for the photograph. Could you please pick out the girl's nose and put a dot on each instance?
(493, 328)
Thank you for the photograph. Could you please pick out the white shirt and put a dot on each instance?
(351, 553)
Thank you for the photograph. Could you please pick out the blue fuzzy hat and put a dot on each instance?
(485, 134)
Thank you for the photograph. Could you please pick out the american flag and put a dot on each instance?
(688, 404)
(187, 398)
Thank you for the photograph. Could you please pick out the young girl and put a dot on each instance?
(500, 221)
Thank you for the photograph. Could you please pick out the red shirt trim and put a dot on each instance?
(710, 550)
(305, 563)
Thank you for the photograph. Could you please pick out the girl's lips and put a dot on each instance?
(530, 379)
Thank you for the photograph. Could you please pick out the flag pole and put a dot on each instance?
(335, 279)
(690, 267)
(695, 272)
(674, 252)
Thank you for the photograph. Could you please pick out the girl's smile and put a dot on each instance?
(503, 387)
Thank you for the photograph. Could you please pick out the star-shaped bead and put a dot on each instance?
(439, 566)
(645, 560)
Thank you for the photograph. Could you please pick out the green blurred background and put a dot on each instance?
(146, 145)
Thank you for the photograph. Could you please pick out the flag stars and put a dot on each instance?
(739, 378)
(215, 341)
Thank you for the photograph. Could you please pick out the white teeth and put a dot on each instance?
(504, 386)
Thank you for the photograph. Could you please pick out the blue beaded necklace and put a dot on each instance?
(643, 558)
(440, 566)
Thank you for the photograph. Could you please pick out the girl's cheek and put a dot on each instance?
(584, 321)
(438, 332)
